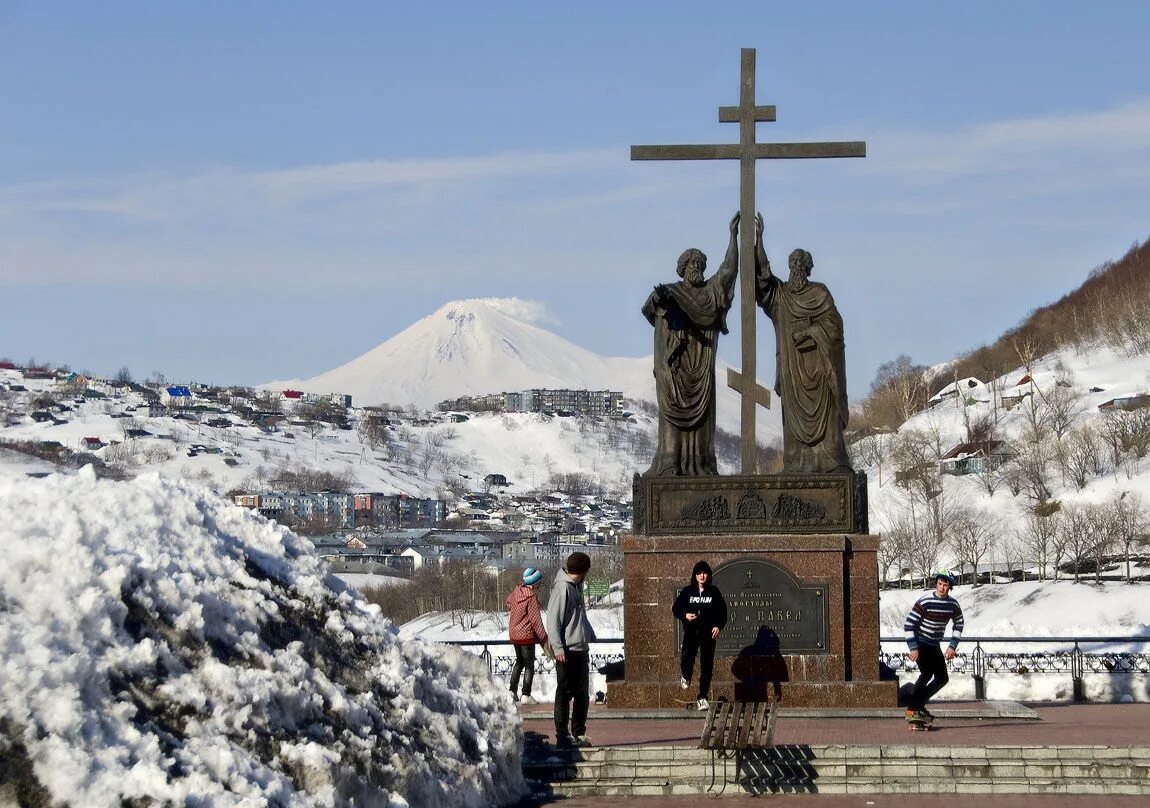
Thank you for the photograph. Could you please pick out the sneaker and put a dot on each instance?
(580, 741)
(562, 739)
(925, 713)
(527, 699)
(702, 704)
(684, 682)
(514, 696)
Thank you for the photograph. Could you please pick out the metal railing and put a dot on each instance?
(1067, 657)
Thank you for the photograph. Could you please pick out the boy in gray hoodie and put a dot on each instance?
(569, 632)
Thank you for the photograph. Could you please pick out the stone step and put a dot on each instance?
(842, 769)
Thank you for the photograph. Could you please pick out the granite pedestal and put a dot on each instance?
(803, 626)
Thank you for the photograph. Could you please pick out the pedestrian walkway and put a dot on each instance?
(1060, 753)
(959, 724)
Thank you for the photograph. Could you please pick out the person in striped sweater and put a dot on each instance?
(924, 627)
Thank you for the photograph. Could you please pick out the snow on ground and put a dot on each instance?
(160, 644)
(365, 580)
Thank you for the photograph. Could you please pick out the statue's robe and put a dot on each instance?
(687, 328)
(810, 374)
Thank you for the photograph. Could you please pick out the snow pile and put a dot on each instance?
(158, 644)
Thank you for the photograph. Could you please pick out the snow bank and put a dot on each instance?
(159, 644)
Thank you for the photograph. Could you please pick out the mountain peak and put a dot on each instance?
(531, 312)
(495, 345)
(472, 347)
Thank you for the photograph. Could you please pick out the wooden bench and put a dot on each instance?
(740, 725)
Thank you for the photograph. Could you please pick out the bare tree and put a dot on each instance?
(990, 473)
(1062, 404)
(1028, 472)
(971, 533)
(1087, 537)
(1080, 455)
(870, 450)
(375, 433)
(1013, 554)
(269, 401)
(899, 389)
(1041, 536)
(1129, 523)
(1036, 429)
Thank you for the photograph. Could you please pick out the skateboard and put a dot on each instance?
(919, 724)
(690, 704)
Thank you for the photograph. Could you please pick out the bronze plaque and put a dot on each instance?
(762, 594)
(750, 504)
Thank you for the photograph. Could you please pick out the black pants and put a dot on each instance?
(932, 676)
(572, 684)
(525, 664)
(704, 645)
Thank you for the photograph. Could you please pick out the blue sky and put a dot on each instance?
(238, 192)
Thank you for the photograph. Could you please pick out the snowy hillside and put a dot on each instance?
(159, 645)
(1064, 451)
(423, 460)
(494, 345)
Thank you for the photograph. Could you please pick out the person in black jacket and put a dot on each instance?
(703, 612)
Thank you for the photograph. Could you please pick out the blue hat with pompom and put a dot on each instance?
(532, 576)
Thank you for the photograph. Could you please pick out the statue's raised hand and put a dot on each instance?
(735, 224)
(759, 227)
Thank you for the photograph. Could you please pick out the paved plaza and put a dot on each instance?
(964, 729)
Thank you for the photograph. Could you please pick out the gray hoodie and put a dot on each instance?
(567, 626)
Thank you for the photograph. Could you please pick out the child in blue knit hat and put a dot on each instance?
(525, 626)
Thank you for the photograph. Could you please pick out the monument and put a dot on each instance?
(790, 552)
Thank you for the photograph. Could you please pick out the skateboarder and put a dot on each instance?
(525, 627)
(924, 626)
(703, 612)
(569, 632)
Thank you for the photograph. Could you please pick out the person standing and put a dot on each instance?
(701, 609)
(688, 317)
(924, 627)
(570, 633)
(525, 627)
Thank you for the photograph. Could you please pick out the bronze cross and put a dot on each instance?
(747, 151)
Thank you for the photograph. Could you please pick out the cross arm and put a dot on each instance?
(738, 381)
(733, 114)
(759, 151)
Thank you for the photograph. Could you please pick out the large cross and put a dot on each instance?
(747, 151)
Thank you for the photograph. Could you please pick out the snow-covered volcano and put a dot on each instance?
(471, 347)
(493, 345)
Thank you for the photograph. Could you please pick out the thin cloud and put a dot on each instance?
(1015, 145)
(156, 197)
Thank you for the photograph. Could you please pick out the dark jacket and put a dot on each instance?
(708, 605)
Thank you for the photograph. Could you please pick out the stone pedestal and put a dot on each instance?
(803, 615)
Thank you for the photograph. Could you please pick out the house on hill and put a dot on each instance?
(177, 396)
(1136, 402)
(964, 388)
(972, 458)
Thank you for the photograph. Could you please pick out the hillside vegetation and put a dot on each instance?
(1111, 308)
(1027, 455)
